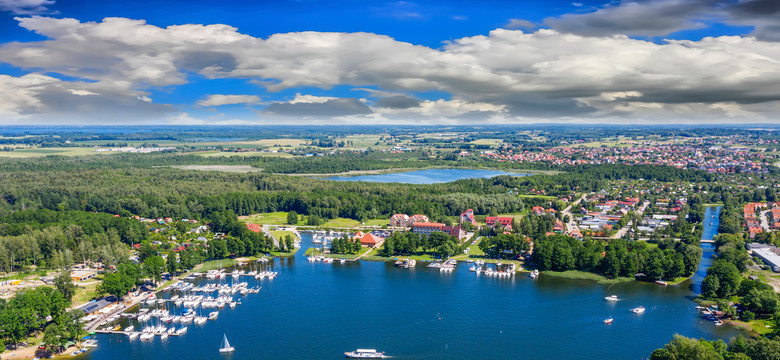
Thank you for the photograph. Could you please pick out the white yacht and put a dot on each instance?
(364, 354)
(226, 345)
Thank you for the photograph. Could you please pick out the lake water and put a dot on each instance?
(428, 176)
(319, 311)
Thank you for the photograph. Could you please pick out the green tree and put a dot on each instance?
(154, 266)
(710, 286)
(683, 348)
(171, 264)
(292, 217)
(64, 285)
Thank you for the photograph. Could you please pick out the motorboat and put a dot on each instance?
(364, 354)
(611, 298)
(608, 321)
(638, 310)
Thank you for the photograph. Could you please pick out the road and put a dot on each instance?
(620, 233)
(764, 220)
(571, 225)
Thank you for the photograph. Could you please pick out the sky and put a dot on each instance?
(366, 62)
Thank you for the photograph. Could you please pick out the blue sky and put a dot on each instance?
(375, 62)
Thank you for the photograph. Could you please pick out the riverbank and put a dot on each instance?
(584, 275)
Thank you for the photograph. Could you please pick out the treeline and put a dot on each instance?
(49, 239)
(619, 258)
(437, 244)
(738, 348)
(39, 309)
(174, 193)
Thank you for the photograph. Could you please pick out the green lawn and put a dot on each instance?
(245, 153)
(350, 223)
(280, 234)
(86, 292)
(284, 254)
(760, 326)
(214, 265)
(39, 152)
(273, 218)
(545, 197)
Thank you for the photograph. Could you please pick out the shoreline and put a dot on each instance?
(402, 170)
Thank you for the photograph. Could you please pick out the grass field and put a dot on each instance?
(245, 153)
(350, 223)
(273, 218)
(214, 265)
(545, 197)
(492, 142)
(280, 234)
(86, 292)
(38, 152)
(313, 251)
(361, 141)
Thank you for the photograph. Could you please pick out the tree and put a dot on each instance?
(114, 284)
(747, 315)
(288, 241)
(710, 286)
(761, 301)
(292, 217)
(154, 267)
(683, 348)
(64, 285)
(170, 263)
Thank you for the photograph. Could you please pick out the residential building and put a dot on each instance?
(468, 217)
(426, 227)
(82, 275)
(399, 220)
(503, 221)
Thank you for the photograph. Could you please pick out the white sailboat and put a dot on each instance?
(226, 345)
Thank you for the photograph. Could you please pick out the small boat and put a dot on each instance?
(133, 335)
(608, 321)
(364, 354)
(611, 298)
(90, 343)
(638, 310)
(718, 323)
(226, 345)
(661, 282)
(164, 336)
(181, 331)
(213, 315)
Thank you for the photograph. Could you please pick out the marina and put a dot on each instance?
(508, 315)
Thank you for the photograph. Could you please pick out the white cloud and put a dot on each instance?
(507, 74)
(26, 7)
(219, 100)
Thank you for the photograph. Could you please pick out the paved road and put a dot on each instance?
(571, 225)
(619, 234)
(764, 220)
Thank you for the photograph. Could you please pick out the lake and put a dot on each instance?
(428, 176)
(319, 311)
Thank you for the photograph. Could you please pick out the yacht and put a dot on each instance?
(611, 298)
(226, 345)
(213, 315)
(638, 310)
(364, 354)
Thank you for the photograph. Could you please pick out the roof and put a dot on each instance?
(95, 306)
(370, 239)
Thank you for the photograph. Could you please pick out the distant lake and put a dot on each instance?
(428, 176)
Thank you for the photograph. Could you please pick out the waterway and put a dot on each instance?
(319, 311)
(428, 176)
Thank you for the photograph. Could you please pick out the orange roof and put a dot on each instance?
(370, 239)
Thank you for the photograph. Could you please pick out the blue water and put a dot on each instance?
(318, 311)
(428, 176)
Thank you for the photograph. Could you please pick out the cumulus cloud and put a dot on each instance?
(520, 24)
(636, 18)
(48, 99)
(507, 75)
(219, 100)
(26, 7)
(397, 102)
(326, 109)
